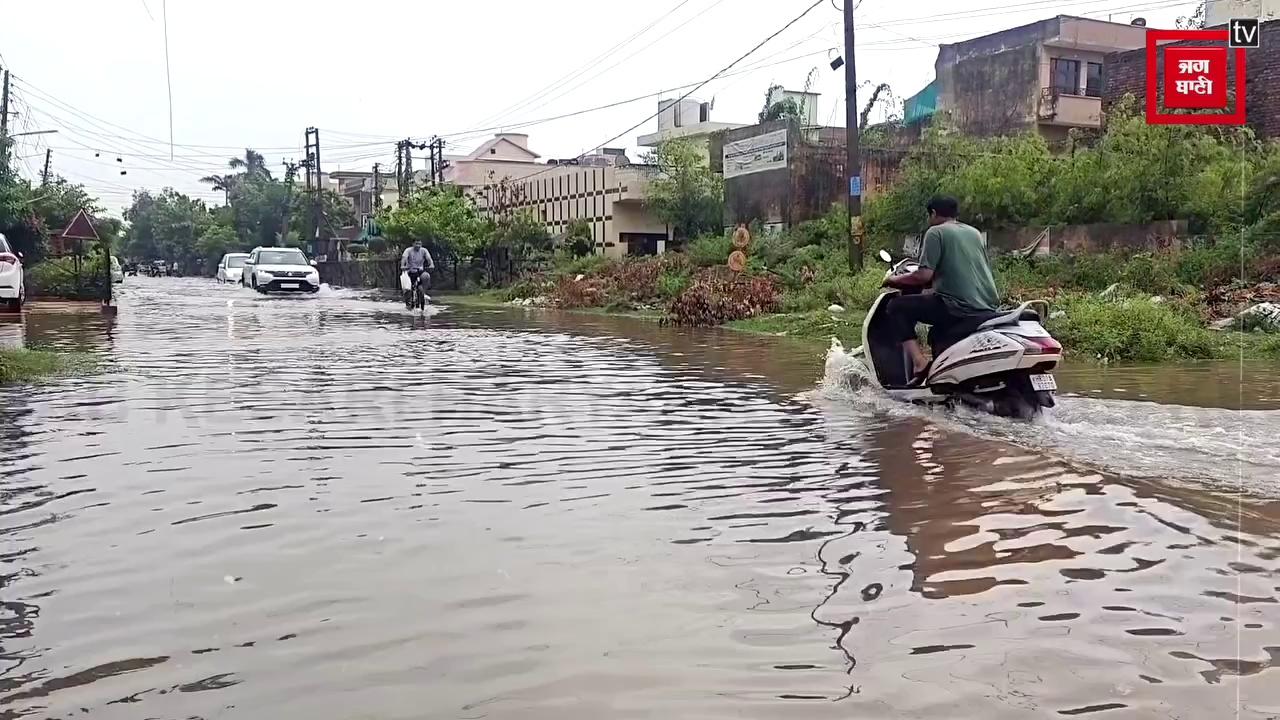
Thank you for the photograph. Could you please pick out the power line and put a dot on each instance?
(722, 71)
(562, 93)
(584, 68)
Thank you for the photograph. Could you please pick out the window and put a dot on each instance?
(235, 261)
(493, 151)
(282, 257)
(1093, 80)
(1065, 75)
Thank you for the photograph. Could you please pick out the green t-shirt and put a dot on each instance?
(958, 257)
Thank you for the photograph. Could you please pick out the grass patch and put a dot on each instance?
(818, 325)
(1132, 329)
(24, 365)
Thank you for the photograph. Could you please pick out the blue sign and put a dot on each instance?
(855, 186)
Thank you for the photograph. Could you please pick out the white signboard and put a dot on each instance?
(756, 154)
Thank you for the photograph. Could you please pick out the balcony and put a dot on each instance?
(1059, 108)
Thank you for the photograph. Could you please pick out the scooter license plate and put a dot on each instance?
(1042, 383)
(294, 286)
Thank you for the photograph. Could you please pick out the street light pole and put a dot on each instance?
(853, 161)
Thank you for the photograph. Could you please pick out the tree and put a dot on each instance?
(441, 217)
(165, 226)
(686, 194)
(1195, 21)
(216, 241)
(578, 238)
(253, 165)
(784, 109)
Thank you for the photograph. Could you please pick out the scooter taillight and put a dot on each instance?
(1040, 345)
(9, 258)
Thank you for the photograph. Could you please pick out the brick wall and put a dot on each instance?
(1126, 73)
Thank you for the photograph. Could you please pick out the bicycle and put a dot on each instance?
(416, 298)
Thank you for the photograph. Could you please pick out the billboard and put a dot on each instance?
(756, 154)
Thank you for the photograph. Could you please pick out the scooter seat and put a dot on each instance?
(1013, 317)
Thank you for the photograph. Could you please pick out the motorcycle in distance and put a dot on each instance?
(999, 362)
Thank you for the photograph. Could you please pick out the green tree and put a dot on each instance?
(165, 226)
(441, 217)
(215, 241)
(686, 194)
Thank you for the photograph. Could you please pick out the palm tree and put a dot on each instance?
(253, 164)
(221, 182)
(253, 167)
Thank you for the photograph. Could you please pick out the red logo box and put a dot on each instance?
(1195, 77)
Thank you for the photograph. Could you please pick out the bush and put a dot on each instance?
(1136, 330)
(718, 296)
(672, 283)
(709, 250)
(57, 277)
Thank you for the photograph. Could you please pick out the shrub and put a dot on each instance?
(1135, 330)
(718, 296)
(58, 277)
(709, 250)
(671, 284)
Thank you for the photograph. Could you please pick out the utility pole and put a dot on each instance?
(4, 107)
(377, 187)
(853, 163)
(290, 173)
(400, 188)
(437, 160)
(44, 176)
(317, 192)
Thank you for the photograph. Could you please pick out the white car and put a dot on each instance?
(231, 267)
(13, 290)
(280, 269)
(117, 275)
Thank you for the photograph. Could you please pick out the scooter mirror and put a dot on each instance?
(885, 256)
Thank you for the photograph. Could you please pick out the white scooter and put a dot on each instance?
(999, 363)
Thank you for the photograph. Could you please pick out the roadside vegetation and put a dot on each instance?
(1132, 306)
(27, 365)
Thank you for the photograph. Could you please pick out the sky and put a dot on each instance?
(257, 73)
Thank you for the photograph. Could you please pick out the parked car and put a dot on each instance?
(279, 269)
(117, 273)
(231, 267)
(13, 290)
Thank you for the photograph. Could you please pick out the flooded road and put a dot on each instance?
(324, 507)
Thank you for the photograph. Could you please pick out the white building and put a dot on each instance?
(1218, 12)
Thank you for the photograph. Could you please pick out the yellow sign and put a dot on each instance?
(737, 261)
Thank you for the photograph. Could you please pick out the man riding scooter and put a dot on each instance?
(953, 265)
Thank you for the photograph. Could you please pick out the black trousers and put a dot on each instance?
(906, 311)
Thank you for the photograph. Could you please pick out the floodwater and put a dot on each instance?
(325, 507)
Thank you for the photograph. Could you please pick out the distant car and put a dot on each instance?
(117, 274)
(231, 267)
(279, 269)
(13, 290)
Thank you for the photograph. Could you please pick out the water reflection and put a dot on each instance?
(323, 507)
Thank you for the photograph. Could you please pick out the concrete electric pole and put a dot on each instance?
(853, 163)
(44, 175)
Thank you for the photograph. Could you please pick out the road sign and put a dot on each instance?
(80, 227)
(855, 186)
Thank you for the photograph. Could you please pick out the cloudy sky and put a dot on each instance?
(257, 73)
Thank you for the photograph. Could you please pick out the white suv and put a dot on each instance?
(280, 269)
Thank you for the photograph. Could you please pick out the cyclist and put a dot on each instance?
(416, 261)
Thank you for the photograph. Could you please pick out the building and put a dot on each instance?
(504, 156)
(688, 119)
(1045, 76)
(602, 190)
(1126, 74)
(778, 173)
(1218, 12)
